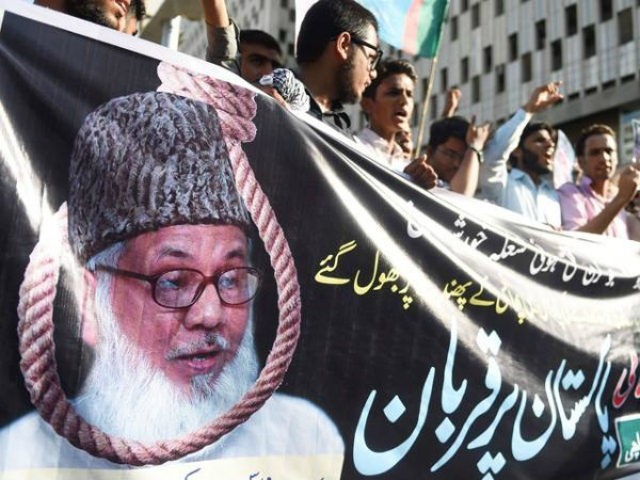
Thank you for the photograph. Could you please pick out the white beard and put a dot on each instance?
(126, 397)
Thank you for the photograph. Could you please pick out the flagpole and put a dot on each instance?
(425, 106)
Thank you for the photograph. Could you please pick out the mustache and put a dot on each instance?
(211, 339)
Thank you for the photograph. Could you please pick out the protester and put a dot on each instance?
(155, 218)
(519, 161)
(122, 15)
(388, 104)
(454, 151)
(249, 53)
(494, 173)
(451, 102)
(529, 186)
(337, 52)
(596, 205)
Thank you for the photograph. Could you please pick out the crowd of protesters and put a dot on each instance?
(338, 57)
(339, 60)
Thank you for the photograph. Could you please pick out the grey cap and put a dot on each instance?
(147, 161)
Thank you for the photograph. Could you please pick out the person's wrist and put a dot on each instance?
(477, 150)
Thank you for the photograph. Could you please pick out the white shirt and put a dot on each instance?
(537, 202)
(390, 156)
(493, 171)
(284, 425)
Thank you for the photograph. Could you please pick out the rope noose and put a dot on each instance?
(37, 349)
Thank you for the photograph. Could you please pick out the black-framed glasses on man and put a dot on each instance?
(181, 288)
(450, 154)
(373, 61)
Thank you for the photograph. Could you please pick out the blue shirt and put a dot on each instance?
(537, 202)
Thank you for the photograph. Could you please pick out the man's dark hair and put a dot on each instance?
(388, 68)
(445, 128)
(597, 129)
(533, 127)
(258, 37)
(327, 19)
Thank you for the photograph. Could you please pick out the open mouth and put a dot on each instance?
(401, 116)
(198, 362)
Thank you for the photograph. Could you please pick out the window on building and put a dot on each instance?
(513, 47)
(606, 10)
(464, 5)
(525, 66)
(571, 19)
(475, 15)
(464, 70)
(284, 3)
(625, 26)
(501, 81)
(433, 106)
(589, 41)
(453, 28)
(556, 55)
(444, 80)
(499, 6)
(487, 58)
(541, 34)
(475, 89)
(282, 35)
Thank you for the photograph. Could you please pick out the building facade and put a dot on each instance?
(498, 51)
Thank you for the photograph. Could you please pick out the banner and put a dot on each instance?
(197, 283)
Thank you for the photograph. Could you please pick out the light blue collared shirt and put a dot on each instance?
(537, 202)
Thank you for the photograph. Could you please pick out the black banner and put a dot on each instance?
(440, 336)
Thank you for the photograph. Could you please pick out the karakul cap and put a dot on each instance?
(147, 161)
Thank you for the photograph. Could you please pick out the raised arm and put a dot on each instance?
(465, 181)
(493, 175)
(222, 34)
(452, 100)
(571, 208)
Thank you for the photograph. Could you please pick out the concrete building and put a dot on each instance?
(497, 52)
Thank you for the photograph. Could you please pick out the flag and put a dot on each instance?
(564, 161)
(421, 23)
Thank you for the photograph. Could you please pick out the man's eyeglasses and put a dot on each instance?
(451, 154)
(183, 287)
(373, 61)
